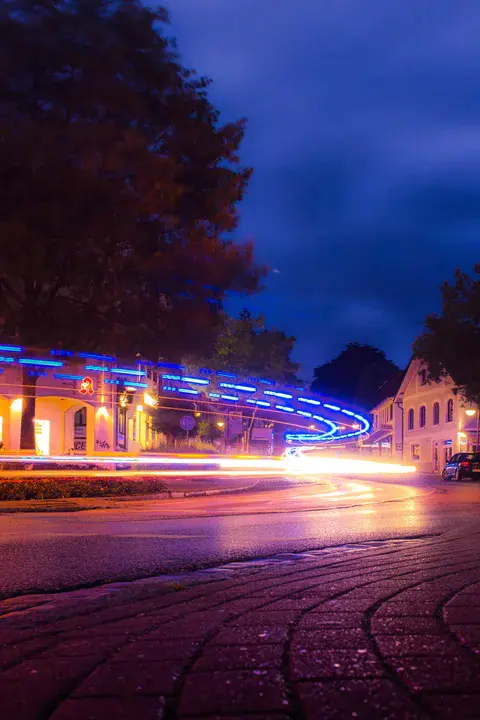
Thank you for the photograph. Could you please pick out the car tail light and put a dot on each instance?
(465, 464)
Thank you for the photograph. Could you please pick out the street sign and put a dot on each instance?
(187, 423)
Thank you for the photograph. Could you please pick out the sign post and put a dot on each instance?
(187, 423)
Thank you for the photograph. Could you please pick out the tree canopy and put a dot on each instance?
(119, 184)
(360, 374)
(450, 342)
(244, 346)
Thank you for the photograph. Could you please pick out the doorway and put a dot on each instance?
(80, 430)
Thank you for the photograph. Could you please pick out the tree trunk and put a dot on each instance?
(27, 432)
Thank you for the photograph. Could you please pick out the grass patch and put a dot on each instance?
(57, 488)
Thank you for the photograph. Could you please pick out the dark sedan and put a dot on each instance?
(462, 465)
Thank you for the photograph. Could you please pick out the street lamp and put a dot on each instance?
(471, 412)
(220, 424)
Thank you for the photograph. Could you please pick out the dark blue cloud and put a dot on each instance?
(363, 132)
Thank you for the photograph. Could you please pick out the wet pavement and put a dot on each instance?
(368, 630)
(44, 552)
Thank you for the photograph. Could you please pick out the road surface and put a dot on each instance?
(43, 551)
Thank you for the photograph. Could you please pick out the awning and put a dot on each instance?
(378, 435)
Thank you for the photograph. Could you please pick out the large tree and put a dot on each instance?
(246, 347)
(119, 186)
(360, 374)
(450, 342)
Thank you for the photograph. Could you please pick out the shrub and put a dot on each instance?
(56, 488)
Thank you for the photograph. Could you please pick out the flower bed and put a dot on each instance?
(55, 488)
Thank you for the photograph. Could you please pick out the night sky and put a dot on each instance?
(364, 134)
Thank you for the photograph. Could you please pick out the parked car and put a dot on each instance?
(462, 465)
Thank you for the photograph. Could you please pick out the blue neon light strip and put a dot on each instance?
(284, 408)
(94, 356)
(62, 376)
(11, 348)
(207, 371)
(137, 384)
(44, 363)
(172, 377)
(243, 388)
(7, 359)
(112, 382)
(214, 395)
(267, 382)
(195, 381)
(97, 368)
(304, 413)
(348, 412)
(172, 366)
(62, 353)
(261, 403)
(126, 371)
(233, 398)
(278, 394)
(225, 374)
(331, 407)
(310, 401)
(169, 388)
(187, 391)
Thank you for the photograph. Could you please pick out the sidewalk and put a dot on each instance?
(372, 631)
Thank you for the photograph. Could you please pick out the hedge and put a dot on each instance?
(53, 488)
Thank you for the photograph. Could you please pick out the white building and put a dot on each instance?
(424, 424)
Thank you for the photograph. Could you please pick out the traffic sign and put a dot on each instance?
(187, 423)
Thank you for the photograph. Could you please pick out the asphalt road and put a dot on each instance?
(43, 551)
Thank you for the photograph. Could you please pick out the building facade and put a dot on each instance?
(424, 424)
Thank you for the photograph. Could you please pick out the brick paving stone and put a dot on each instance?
(461, 615)
(142, 708)
(233, 692)
(183, 630)
(445, 673)
(18, 652)
(465, 600)
(118, 679)
(276, 617)
(28, 690)
(146, 650)
(375, 699)
(295, 604)
(267, 634)
(325, 618)
(405, 626)
(240, 657)
(453, 706)
(330, 638)
(391, 607)
(85, 646)
(399, 645)
(334, 663)
(467, 634)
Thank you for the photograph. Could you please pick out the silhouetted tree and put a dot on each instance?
(360, 374)
(244, 346)
(119, 186)
(450, 343)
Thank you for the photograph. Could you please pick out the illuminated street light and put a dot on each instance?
(471, 412)
(220, 424)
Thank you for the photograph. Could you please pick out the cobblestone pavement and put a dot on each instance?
(374, 631)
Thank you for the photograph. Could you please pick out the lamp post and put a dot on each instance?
(471, 412)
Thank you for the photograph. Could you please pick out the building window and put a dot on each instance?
(450, 411)
(122, 419)
(415, 452)
(391, 412)
(436, 413)
(375, 421)
(411, 419)
(155, 378)
(422, 419)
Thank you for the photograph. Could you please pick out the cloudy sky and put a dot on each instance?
(364, 133)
